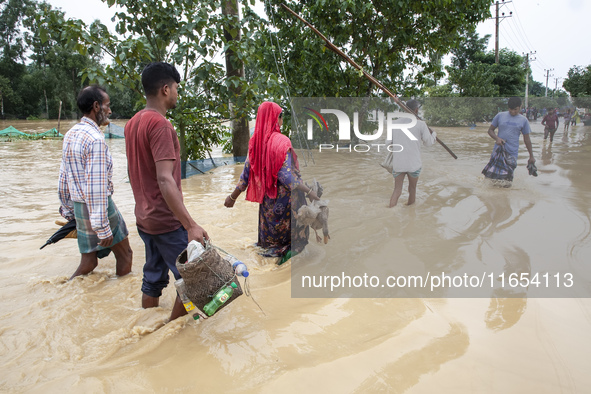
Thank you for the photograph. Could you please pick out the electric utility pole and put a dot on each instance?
(555, 85)
(548, 76)
(497, 22)
(527, 60)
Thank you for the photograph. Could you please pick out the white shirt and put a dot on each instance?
(409, 159)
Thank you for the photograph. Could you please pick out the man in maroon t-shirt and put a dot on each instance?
(551, 123)
(154, 165)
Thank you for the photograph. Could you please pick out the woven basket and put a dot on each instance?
(206, 275)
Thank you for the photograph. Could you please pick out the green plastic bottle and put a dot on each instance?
(219, 299)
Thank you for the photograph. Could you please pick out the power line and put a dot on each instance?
(543, 63)
(540, 67)
(539, 70)
(519, 36)
(511, 38)
(523, 32)
(521, 26)
(516, 35)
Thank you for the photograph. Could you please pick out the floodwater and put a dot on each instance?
(90, 335)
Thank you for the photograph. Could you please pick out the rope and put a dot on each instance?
(295, 118)
(248, 293)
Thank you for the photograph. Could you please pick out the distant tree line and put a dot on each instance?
(477, 87)
(37, 71)
(578, 84)
(46, 58)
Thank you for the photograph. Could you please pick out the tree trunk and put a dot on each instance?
(235, 68)
(46, 105)
(183, 145)
(78, 114)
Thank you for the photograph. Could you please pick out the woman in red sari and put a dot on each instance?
(271, 178)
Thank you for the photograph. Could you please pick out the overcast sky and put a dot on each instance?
(557, 31)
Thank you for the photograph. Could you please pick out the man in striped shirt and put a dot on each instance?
(85, 187)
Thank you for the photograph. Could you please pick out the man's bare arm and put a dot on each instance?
(491, 132)
(528, 145)
(174, 199)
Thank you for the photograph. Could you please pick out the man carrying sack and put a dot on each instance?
(511, 125)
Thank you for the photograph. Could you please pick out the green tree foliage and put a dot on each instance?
(578, 84)
(12, 45)
(58, 68)
(124, 102)
(386, 38)
(467, 74)
(12, 56)
(536, 88)
(471, 48)
(476, 80)
(37, 71)
(474, 73)
(190, 35)
(543, 102)
(473, 76)
(509, 73)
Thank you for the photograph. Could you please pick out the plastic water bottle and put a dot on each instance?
(194, 250)
(239, 267)
(187, 303)
(219, 299)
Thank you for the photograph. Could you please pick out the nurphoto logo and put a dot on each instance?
(330, 125)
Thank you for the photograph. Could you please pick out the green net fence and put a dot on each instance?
(111, 131)
(12, 133)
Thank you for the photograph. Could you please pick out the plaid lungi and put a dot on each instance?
(87, 238)
(501, 164)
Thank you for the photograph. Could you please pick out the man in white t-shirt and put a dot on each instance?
(408, 161)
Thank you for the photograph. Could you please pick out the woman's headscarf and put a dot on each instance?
(266, 152)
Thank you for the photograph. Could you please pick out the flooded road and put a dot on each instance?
(91, 335)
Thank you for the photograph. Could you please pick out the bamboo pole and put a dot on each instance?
(333, 48)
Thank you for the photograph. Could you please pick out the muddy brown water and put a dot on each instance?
(91, 335)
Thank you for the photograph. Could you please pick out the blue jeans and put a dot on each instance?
(162, 251)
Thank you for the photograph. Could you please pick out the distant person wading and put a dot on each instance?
(408, 162)
(511, 125)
